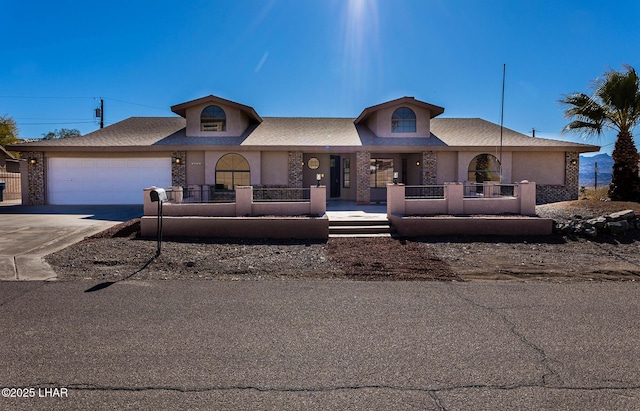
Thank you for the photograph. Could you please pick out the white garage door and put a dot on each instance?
(104, 180)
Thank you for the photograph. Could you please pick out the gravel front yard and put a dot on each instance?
(119, 253)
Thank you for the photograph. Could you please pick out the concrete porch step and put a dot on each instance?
(360, 228)
(359, 224)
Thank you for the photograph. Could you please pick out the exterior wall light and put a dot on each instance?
(177, 160)
(318, 178)
(33, 161)
(574, 162)
(418, 163)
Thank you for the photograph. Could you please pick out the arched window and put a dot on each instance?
(403, 120)
(213, 119)
(484, 167)
(232, 170)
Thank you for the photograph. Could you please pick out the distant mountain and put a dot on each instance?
(587, 170)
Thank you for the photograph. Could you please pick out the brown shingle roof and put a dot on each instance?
(476, 132)
(144, 133)
(132, 132)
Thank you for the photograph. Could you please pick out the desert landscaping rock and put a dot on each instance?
(119, 253)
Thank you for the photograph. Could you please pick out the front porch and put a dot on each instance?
(317, 218)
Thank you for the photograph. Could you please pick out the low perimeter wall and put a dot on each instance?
(238, 227)
(477, 225)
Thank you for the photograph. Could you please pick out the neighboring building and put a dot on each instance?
(10, 184)
(222, 144)
(8, 162)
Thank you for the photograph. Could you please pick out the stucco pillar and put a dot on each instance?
(244, 200)
(527, 195)
(318, 200)
(363, 172)
(179, 169)
(35, 178)
(429, 167)
(149, 208)
(295, 169)
(454, 194)
(395, 200)
(175, 194)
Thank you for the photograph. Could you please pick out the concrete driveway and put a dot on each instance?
(28, 233)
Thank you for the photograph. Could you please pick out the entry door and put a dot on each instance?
(334, 176)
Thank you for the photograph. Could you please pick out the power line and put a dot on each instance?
(85, 97)
(47, 97)
(136, 104)
(52, 123)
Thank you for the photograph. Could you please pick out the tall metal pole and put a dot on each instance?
(596, 171)
(504, 73)
(101, 113)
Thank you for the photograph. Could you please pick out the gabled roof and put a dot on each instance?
(435, 110)
(5, 154)
(131, 132)
(286, 133)
(476, 132)
(181, 109)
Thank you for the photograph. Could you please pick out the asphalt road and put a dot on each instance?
(330, 345)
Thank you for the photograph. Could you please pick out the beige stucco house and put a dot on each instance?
(222, 144)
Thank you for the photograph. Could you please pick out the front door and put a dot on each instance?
(334, 177)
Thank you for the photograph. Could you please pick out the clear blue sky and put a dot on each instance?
(329, 58)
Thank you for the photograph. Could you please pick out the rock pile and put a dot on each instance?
(615, 223)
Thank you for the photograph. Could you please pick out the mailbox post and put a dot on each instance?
(159, 195)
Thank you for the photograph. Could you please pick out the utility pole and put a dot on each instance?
(504, 75)
(596, 171)
(100, 112)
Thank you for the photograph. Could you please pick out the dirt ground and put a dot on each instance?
(119, 253)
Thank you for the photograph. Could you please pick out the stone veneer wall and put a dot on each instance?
(295, 169)
(35, 178)
(429, 167)
(569, 191)
(179, 170)
(363, 182)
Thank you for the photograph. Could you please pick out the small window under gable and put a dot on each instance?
(403, 120)
(213, 118)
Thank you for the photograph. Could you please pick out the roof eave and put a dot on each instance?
(181, 109)
(433, 109)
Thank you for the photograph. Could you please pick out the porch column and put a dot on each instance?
(429, 167)
(179, 169)
(363, 172)
(35, 178)
(571, 174)
(295, 169)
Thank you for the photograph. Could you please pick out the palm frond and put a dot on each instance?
(614, 104)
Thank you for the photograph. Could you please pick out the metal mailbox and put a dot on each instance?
(158, 195)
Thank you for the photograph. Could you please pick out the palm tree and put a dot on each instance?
(614, 105)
